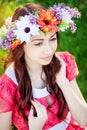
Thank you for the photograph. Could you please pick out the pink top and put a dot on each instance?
(8, 85)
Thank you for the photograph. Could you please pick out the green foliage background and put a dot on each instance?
(74, 43)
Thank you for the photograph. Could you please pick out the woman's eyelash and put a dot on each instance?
(38, 44)
(53, 39)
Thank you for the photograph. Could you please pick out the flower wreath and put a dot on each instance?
(56, 18)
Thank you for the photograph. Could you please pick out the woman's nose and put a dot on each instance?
(48, 49)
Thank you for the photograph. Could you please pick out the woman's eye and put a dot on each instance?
(53, 39)
(38, 44)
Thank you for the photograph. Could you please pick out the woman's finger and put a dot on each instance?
(38, 108)
(59, 58)
(31, 112)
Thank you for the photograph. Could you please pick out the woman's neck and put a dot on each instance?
(37, 76)
(37, 79)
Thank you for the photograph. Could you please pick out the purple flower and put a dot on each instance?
(73, 27)
(75, 13)
(32, 18)
(57, 10)
(7, 38)
(58, 15)
(68, 9)
(6, 44)
(62, 5)
(10, 35)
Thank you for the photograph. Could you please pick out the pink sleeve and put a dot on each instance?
(71, 67)
(6, 94)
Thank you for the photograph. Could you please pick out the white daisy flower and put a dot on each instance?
(24, 29)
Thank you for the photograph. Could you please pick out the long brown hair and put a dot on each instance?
(22, 75)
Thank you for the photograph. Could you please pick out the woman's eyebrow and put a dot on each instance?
(53, 35)
(37, 39)
(43, 39)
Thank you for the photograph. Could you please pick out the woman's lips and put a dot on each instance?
(47, 58)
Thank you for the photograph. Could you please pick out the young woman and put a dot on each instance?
(30, 88)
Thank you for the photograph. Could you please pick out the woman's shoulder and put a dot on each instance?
(8, 78)
(71, 66)
(7, 90)
(66, 55)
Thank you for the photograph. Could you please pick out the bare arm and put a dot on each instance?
(76, 89)
(6, 121)
(73, 96)
(76, 103)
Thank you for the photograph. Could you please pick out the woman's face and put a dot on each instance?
(41, 49)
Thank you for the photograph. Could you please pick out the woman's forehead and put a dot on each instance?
(42, 35)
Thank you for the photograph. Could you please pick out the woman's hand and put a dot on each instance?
(61, 79)
(37, 123)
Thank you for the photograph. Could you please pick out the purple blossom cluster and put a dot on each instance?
(73, 13)
(32, 19)
(73, 27)
(57, 10)
(7, 38)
